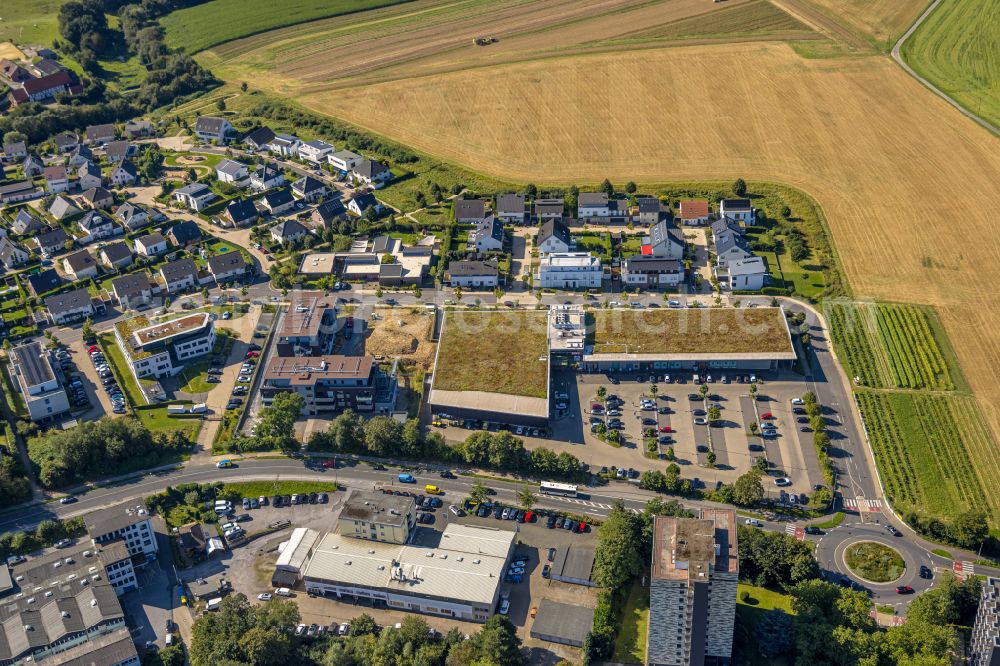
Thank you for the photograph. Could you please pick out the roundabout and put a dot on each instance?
(869, 558)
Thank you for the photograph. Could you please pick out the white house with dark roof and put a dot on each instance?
(80, 155)
(469, 211)
(18, 191)
(211, 128)
(278, 201)
(56, 179)
(663, 243)
(138, 128)
(724, 225)
(96, 226)
(116, 255)
(730, 247)
(195, 196)
(133, 216)
(510, 208)
(12, 255)
(309, 189)
(117, 151)
(285, 145)
(258, 138)
(552, 237)
(99, 134)
(325, 213)
(227, 267)
(487, 236)
(184, 233)
(288, 231)
(592, 204)
(34, 374)
(65, 142)
(179, 275)
(70, 306)
(151, 245)
(132, 291)
(360, 203)
(241, 212)
(89, 176)
(124, 174)
(474, 274)
(52, 241)
(15, 151)
(749, 274)
(647, 210)
(80, 265)
(231, 171)
(26, 222)
(265, 177)
(32, 166)
(737, 210)
(61, 208)
(98, 198)
(371, 173)
(315, 151)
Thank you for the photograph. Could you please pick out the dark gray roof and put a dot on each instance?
(376, 507)
(266, 171)
(127, 211)
(592, 199)
(149, 240)
(279, 197)
(179, 269)
(736, 205)
(79, 261)
(194, 189)
(119, 516)
(97, 132)
(562, 623)
(114, 648)
(45, 281)
(65, 140)
(82, 150)
(554, 228)
(132, 284)
(573, 561)
(661, 233)
(470, 209)
(25, 222)
(210, 124)
(7, 250)
(723, 225)
(128, 168)
(34, 363)
(641, 264)
(224, 263)
(241, 209)
(89, 169)
(491, 226)
(728, 241)
(472, 268)
(96, 194)
(94, 219)
(365, 201)
(116, 251)
(370, 169)
(118, 150)
(53, 238)
(307, 184)
(68, 301)
(185, 232)
(289, 228)
(510, 203)
(259, 137)
(330, 209)
(648, 204)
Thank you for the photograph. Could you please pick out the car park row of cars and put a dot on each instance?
(107, 379)
(552, 520)
(74, 387)
(243, 380)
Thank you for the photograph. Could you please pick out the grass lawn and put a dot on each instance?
(270, 488)
(762, 598)
(30, 21)
(120, 369)
(495, 352)
(630, 642)
(687, 331)
(875, 562)
(158, 420)
(748, 613)
(597, 244)
(195, 379)
(835, 519)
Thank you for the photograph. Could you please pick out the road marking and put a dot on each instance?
(862, 504)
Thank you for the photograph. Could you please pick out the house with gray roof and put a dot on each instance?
(80, 155)
(749, 274)
(89, 176)
(309, 189)
(553, 236)
(21, 190)
(474, 274)
(649, 271)
(227, 267)
(740, 211)
(469, 211)
(184, 233)
(510, 208)
(360, 203)
(327, 212)
(371, 173)
(80, 265)
(211, 128)
(195, 196)
(138, 128)
(70, 306)
(265, 176)
(730, 247)
(26, 222)
(117, 151)
(179, 275)
(12, 255)
(99, 134)
(151, 245)
(97, 226)
(278, 201)
(116, 255)
(98, 198)
(45, 281)
(231, 171)
(133, 216)
(51, 242)
(15, 151)
(315, 151)
(32, 166)
(647, 210)
(132, 291)
(663, 242)
(124, 174)
(343, 160)
(258, 138)
(288, 231)
(487, 236)
(549, 209)
(65, 142)
(241, 212)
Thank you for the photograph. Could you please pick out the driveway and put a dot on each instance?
(99, 400)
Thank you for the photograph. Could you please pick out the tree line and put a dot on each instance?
(44, 535)
(262, 635)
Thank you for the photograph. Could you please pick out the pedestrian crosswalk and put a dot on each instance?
(790, 529)
(862, 504)
(574, 500)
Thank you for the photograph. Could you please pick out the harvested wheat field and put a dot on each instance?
(905, 181)
(883, 20)
(403, 334)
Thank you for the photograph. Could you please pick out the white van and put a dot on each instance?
(283, 592)
(200, 408)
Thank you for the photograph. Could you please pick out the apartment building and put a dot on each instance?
(692, 594)
(985, 645)
(310, 325)
(569, 270)
(327, 383)
(128, 522)
(38, 382)
(161, 350)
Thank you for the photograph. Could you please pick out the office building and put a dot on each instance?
(38, 381)
(692, 593)
(128, 522)
(379, 517)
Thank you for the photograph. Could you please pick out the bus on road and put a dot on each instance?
(562, 489)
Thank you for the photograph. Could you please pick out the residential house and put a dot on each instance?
(70, 306)
(195, 196)
(371, 173)
(309, 189)
(663, 243)
(151, 245)
(179, 275)
(648, 271)
(118, 151)
(360, 203)
(13, 72)
(344, 160)
(288, 231)
(46, 66)
(56, 179)
(241, 212)
(724, 225)
(45, 87)
(90, 176)
(14, 151)
(51, 242)
(227, 267)
(473, 274)
(65, 142)
(80, 265)
(747, 274)
(327, 212)
(98, 198)
(231, 171)
(315, 151)
(61, 208)
(487, 236)
(96, 226)
(45, 281)
(694, 212)
(285, 145)
(647, 210)
(510, 208)
(569, 270)
(184, 233)
(333, 384)
(469, 211)
(18, 191)
(133, 216)
(266, 176)
(32, 166)
(737, 210)
(80, 156)
(730, 247)
(124, 174)
(258, 138)
(132, 291)
(100, 134)
(278, 201)
(209, 128)
(116, 256)
(553, 237)
(135, 129)
(12, 255)
(592, 205)
(26, 222)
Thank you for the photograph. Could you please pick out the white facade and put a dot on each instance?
(569, 270)
(195, 196)
(344, 160)
(231, 171)
(315, 151)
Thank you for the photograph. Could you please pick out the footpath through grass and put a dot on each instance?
(630, 644)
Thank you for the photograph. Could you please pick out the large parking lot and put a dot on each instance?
(678, 414)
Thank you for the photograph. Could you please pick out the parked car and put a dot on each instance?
(782, 481)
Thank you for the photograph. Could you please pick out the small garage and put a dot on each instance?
(562, 623)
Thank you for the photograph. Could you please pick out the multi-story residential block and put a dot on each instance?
(38, 382)
(128, 522)
(310, 325)
(327, 383)
(985, 644)
(343, 160)
(569, 270)
(654, 272)
(161, 350)
(692, 592)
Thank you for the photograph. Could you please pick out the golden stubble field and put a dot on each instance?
(909, 186)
